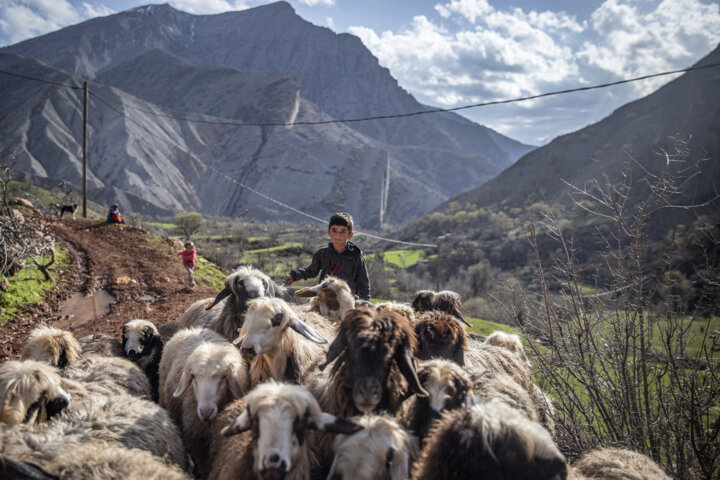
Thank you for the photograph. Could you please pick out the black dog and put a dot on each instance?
(71, 209)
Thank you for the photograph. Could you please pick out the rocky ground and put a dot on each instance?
(141, 272)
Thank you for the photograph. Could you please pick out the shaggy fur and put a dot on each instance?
(492, 384)
(30, 392)
(263, 435)
(332, 298)
(101, 344)
(490, 441)
(500, 359)
(440, 336)
(546, 410)
(617, 464)
(278, 345)
(115, 373)
(143, 345)
(225, 313)
(383, 449)
(218, 374)
(510, 341)
(54, 346)
(402, 309)
(167, 330)
(423, 301)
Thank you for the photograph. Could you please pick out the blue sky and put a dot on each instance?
(449, 53)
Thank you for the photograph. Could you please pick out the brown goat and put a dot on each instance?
(446, 301)
(440, 336)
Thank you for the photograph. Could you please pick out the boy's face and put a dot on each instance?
(339, 235)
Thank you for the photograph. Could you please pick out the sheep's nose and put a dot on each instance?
(273, 468)
(248, 351)
(207, 412)
(367, 394)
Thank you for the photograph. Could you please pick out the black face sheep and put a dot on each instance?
(30, 392)
(374, 365)
(200, 373)
(332, 298)
(276, 342)
(143, 345)
(264, 434)
(490, 441)
(440, 336)
(54, 346)
(226, 312)
(383, 449)
(617, 464)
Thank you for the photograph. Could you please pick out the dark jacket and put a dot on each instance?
(348, 265)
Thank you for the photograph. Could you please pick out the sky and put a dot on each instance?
(451, 53)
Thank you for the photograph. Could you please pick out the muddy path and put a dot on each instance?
(140, 275)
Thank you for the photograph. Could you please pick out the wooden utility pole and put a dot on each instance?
(85, 116)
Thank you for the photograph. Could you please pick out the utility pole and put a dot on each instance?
(85, 116)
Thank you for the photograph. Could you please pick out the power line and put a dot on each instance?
(49, 82)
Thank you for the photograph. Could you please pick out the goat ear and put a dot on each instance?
(305, 330)
(332, 424)
(185, 380)
(406, 364)
(241, 424)
(235, 387)
(223, 293)
(336, 348)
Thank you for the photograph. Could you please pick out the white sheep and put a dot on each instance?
(279, 345)
(142, 344)
(117, 374)
(52, 345)
(225, 313)
(332, 298)
(205, 360)
(263, 435)
(382, 449)
(30, 392)
(510, 341)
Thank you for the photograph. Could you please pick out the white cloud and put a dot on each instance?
(92, 11)
(20, 20)
(468, 9)
(313, 3)
(205, 7)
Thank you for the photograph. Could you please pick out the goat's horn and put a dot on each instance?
(223, 293)
(336, 348)
(306, 331)
(405, 362)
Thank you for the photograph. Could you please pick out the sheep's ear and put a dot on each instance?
(336, 348)
(223, 293)
(185, 380)
(308, 292)
(235, 387)
(332, 424)
(406, 363)
(270, 287)
(241, 424)
(305, 330)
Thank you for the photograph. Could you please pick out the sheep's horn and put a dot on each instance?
(223, 293)
(308, 292)
(332, 424)
(241, 424)
(462, 319)
(336, 348)
(306, 331)
(405, 362)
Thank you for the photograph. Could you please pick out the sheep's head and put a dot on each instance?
(216, 373)
(30, 392)
(422, 301)
(245, 284)
(266, 321)
(382, 449)
(450, 302)
(278, 415)
(51, 345)
(509, 341)
(370, 342)
(333, 297)
(136, 336)
(402, 309)
(448, 386)
(440, 336)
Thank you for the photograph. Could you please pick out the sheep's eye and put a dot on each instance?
(277, 319)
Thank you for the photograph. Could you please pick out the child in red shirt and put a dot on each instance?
(189, 260)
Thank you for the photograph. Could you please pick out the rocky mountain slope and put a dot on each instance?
(168, 90)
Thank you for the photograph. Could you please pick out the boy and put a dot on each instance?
(341, 259)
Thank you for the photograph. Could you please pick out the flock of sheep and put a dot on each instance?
(260, 384)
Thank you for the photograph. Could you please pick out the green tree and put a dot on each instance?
(188, 223)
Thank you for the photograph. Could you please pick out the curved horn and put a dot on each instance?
(336, 348)
(223, 293)
(306, 331)
(406, 363)
(271, 287)
(241, 424)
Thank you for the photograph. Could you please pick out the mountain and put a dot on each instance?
(199, 76)
(630, 144)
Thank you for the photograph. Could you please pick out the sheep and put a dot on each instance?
(276, 446)
(400, 308)
(422, 301)
(490, 357)
(546, 410)
(277, 343)
(54, 346)
(489, 440)
(440, 336)
(143, 345)
(225, 313)
(446, 301)
(332, 298)
(616, 464)
(38, 406)
(118, 374)
(101, 344)
(382, 449)
(218, 374)
(374, 367)
(510, 341)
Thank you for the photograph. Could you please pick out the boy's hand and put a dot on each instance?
(288, 280)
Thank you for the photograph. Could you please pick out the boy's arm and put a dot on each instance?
(362, 281)
(310, 271)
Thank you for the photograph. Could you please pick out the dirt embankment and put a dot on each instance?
(142, 273)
